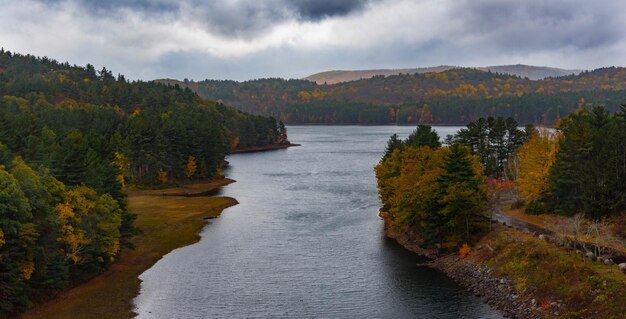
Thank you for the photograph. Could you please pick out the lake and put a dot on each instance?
(304, 242)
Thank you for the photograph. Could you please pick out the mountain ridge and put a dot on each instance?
(530, 71)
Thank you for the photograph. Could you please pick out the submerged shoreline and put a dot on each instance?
(168, 219)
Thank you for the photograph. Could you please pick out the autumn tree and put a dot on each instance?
(192, 166)
(534, 159)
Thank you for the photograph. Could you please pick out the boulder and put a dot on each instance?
(622, 267)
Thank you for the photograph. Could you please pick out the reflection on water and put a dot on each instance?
(304, 242)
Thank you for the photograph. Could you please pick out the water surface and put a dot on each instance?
(304, 242)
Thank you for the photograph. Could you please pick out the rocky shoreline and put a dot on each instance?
(472, 274)
(496, 291)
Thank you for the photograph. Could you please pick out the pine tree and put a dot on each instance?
(394, 143)
(461, 198)
(423, 135)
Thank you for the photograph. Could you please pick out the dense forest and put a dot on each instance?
(455, 96)
(443, 193)
(72, 139)
(438, 191)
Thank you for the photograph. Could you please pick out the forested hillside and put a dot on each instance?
(72, 139)
(452, 97)
(529, 71)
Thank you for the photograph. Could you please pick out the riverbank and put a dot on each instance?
(270, 147)
(169, 219)
(526, 277)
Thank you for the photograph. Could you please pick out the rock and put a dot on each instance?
(622, 267)
(542, 237)
(590, 255)
(608, 261)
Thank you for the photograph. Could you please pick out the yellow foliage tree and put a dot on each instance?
(234, 142)
(163, 177)
(304, 96)
(192, 166)
(73, 239)
(28, 235)
(122, 164)
(535, 158)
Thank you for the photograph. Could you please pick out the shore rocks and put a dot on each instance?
(498, 292)
(622, 267)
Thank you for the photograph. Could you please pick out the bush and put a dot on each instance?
(536, 207)
(465, 250)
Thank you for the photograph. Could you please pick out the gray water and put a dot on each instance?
(304, 242)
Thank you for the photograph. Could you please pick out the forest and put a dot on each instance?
(455, 96)
(72, 141)
(443, 193)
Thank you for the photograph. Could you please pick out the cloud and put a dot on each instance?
(539, 25)
(233, 18)
(243, 39)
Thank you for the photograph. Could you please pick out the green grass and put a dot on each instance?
(167, 223)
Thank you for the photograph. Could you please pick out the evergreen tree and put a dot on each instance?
(423, 135)
(394, 143)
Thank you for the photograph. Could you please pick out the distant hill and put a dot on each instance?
(455, 96)
(529, 71)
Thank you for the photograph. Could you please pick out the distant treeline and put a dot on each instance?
(71, 140)
(452, 97)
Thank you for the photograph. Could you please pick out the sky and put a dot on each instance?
(248, 39)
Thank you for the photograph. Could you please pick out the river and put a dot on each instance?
(304, 242)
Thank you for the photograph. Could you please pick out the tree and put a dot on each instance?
(589, 174)
(423, 135)
(394, 143)
(461, 198)
(191, 166)
(534, 159)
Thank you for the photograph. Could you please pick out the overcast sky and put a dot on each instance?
(246, 39)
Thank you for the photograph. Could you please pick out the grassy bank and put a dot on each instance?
(169, 219)
(533, 278)
(556, 276)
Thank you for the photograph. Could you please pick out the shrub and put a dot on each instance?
(536, 207)
(465, 250)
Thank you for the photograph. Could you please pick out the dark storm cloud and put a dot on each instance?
(539, 25)
(109, 6)
(244, 19)
(319, 9)
(242, 39)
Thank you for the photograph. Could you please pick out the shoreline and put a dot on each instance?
(270, 147)
(401, 125)
(169, 218)
(475, 277)
(507, 270)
